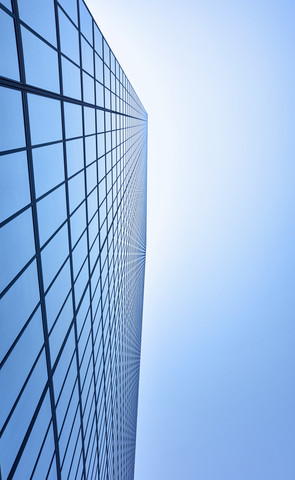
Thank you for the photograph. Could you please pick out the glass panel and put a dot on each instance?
(14, 184)
(85, 21)
(75, 158)
(7, 3)
(30, 342)
(92, 203)
(17, 246)
(8, 51)
(40, 108)
(11, 119)
(89, 120)
(79, 254)
(71, 79)
(98, 69)
(80, 283)
(73, 120)
(70, 6)
(19, 422)
(69, 38)
(90, 148)
(40, 17)
(51, 213)
(63, 364)
(87, 57)
(54, 254)
(78, 223)
(106, 53)
(41, 63)
(99, 94)
(60, 329)
(57, 294)
(88, 88)
(76, 190)
(48, 167)
(98, 40)
(91, 177)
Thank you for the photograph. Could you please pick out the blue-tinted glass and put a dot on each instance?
(79, 254)
(107, 99)
(41, 65)
(88, 88)
(100, 146)
(16, 307)
(99, 94)
(70, 414)
(76, 190)
(98, 69)
(70, 6)
(93, 229)
(54, 254)
(75, 158)
(14, 184)
(87, 57)
(33, 446)
(102, 191)
(107, 77)
(40, 108)
(63, 364)
(80, 282)
(69, 38)
(90, 148)
(106, 53)
(60, 329)
(101, 168)
(85, 21)
(98, 40)
(8, 53)
(11, 375)
(71, 79)
(7, 3)
(78, 223)
(17, 246)
(39, 15)
(100, 120)
(73, 120)
(92, 203)
(89, 120)
(67, 462)
(48, 167)
(19, 422)
(57, 294)
(11, 119)
(91, 177)
(51, 213)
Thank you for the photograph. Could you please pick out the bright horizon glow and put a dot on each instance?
(217, 80)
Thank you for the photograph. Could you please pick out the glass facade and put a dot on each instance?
(73, 151)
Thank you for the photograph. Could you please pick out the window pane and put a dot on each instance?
(76, 190)
(88, 88)
(75, 159)
(14, 184)
(51, 213)
(90, 147)
(73, 120)
(17, 246)
(16, 306)
(89, 120)
(60, 329)
(53, 255)
(48, 167)
(85, 21)
(39, 15)
(87, 57)
(11, 119)
(98, 40)
(8, 52)
(71, 79)
(57, 294)
(70, 6)
(69, 38)
(41, 63)
(40, 108)
(78, 223)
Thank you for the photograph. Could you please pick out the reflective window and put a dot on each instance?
(40, 17)
(41, 64)
(51, 213)
(87, 57)
(89, 120)
(90, 148)
(54, 254)
(17, 305)
(99, 94)
(91, 177)
(88, 88)
(7, 3)
(75, 156)
(17, 246)
(8, 52)
(73, 120)
(70, 6)
(98, 40)
(60, 329)
(71, 79)
(79, 254)
(48, 167)
(63, 364)
(76, 190)
(98, 68)
(11, 119)
(69, 38)
(57, 293)
(85, 21)
(78, 223)
(106, 53)
(14, 184)
(40, 108)
(92, 203)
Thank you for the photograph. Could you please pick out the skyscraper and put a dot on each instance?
(73, 141)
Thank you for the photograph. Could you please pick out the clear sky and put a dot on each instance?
(217, 79)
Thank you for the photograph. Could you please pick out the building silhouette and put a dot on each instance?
(73, 142)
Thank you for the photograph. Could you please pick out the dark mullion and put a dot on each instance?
(38, 253)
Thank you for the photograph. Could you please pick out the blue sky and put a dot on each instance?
(217, 387)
